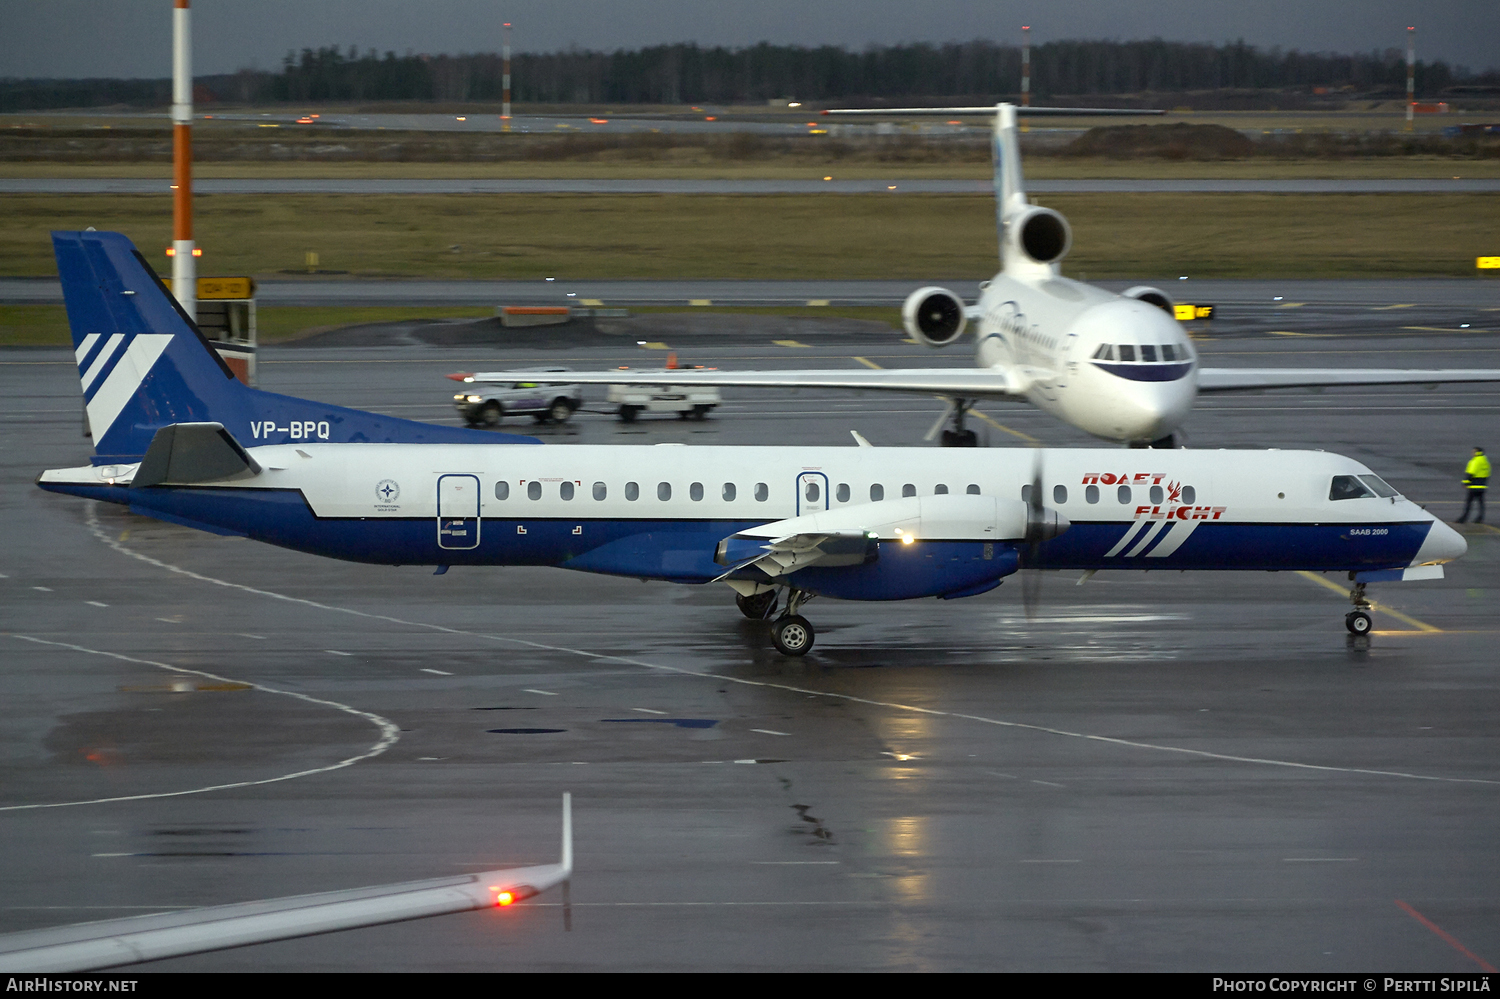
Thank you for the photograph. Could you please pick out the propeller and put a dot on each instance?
(1042, 524)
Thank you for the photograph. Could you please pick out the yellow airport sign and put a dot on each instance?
(1487, 263)
(1185, 311)
(222, 287)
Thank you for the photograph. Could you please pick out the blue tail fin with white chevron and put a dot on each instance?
(144, 365)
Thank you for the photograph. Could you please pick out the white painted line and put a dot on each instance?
(245, 634)
(167, 620)
(95, 603)
(432, 757)
(336, 652)
(44, 589)
(437, 671)
(1318, 860)
(545, 693)
(794, 863)
(1051, 861)
(3, 576)
(648, 711)
(1046, 782)
(767, 731)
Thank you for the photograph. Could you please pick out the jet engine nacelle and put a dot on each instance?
(1151, 296)
(1041, 235)
(934, 316)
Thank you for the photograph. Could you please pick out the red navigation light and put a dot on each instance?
(710, 118)
(197, 251)
(504, 898)
(171, 251)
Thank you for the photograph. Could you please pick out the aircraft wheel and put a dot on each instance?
(960, 438)
(490, 414)
(699, 412)
(758, 607)
(1358, 623)
(792, 635)
(559, 411)
(629, 413)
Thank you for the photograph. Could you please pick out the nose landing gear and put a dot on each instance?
(1358, 620)
(957, 435)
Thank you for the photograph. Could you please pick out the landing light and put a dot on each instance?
(907, 539)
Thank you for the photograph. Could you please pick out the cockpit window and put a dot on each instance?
(1106, 352)
(1168, 353)
(1127, 352)
(1148, 352)
(1382, 489)
(1349, 487)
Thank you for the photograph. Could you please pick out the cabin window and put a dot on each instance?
(566, 490)
(1156, 494)
(727, 492)
(502, 490)
(534, 490)
(632, 491)
(695, 492)
(1123, 494)
(973, 489)
(1127, 352)
(762, 492)
(664, 491)
(600, 490)
(1026, 493)
(1375, 482)
(812, 492)
(1059, 493)
(1168, 353)
(1148, 352)
(1189, 494)
(1348, 487)
(842, 494)
(877, 493)
(1091, 494)
(908, 490)
(940, 489)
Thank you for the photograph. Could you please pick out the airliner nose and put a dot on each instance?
(1442, 544)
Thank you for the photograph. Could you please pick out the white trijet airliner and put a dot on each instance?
(179, 439)
(1118, 367)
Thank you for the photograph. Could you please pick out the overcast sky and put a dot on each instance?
(132, 38)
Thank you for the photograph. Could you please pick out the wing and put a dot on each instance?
(965, 382)
(1250, 379)
(113, 942)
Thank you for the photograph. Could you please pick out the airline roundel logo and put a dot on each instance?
(387, 491)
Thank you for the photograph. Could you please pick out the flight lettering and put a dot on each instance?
(1156, 512)
(297, 430)
(1124, 478)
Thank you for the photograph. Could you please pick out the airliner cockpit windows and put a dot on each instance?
(1349, 487)
(1168, 352)
(1148, 352)
(1127, 352)
(1106, 352)
(1381, 487)
(534, 490)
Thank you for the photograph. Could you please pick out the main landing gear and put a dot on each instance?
(1358, 620)
(958, 435)
(791, 633)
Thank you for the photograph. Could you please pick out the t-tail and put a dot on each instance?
(145, 365)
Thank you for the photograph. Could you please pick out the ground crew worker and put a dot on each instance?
(1476, 481)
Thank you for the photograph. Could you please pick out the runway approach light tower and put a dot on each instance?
(1025, 73)
(505, 79)
(184, 264)
(1411, 75)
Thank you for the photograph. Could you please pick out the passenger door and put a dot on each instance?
(458, 511)
(812, 492)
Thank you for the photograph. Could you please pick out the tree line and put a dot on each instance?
(692, 74)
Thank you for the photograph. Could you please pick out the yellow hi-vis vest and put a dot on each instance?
(1477, 472)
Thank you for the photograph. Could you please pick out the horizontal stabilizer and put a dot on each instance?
(1251, 379)
(185, 453)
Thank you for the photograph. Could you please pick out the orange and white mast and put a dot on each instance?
(184, 269)
(505, 79)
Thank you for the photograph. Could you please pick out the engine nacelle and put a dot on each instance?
(1151, 296)
(934, 316)
(1041, 235)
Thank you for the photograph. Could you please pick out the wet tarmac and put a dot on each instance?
(1162, 771)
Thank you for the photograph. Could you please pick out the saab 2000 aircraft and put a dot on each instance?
(1118, 367)
(179, 439)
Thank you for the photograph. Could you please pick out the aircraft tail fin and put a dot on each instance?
(144, 365)
(1010, 185)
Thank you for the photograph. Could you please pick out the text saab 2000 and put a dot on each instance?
(777, 525)
(1118, 367)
